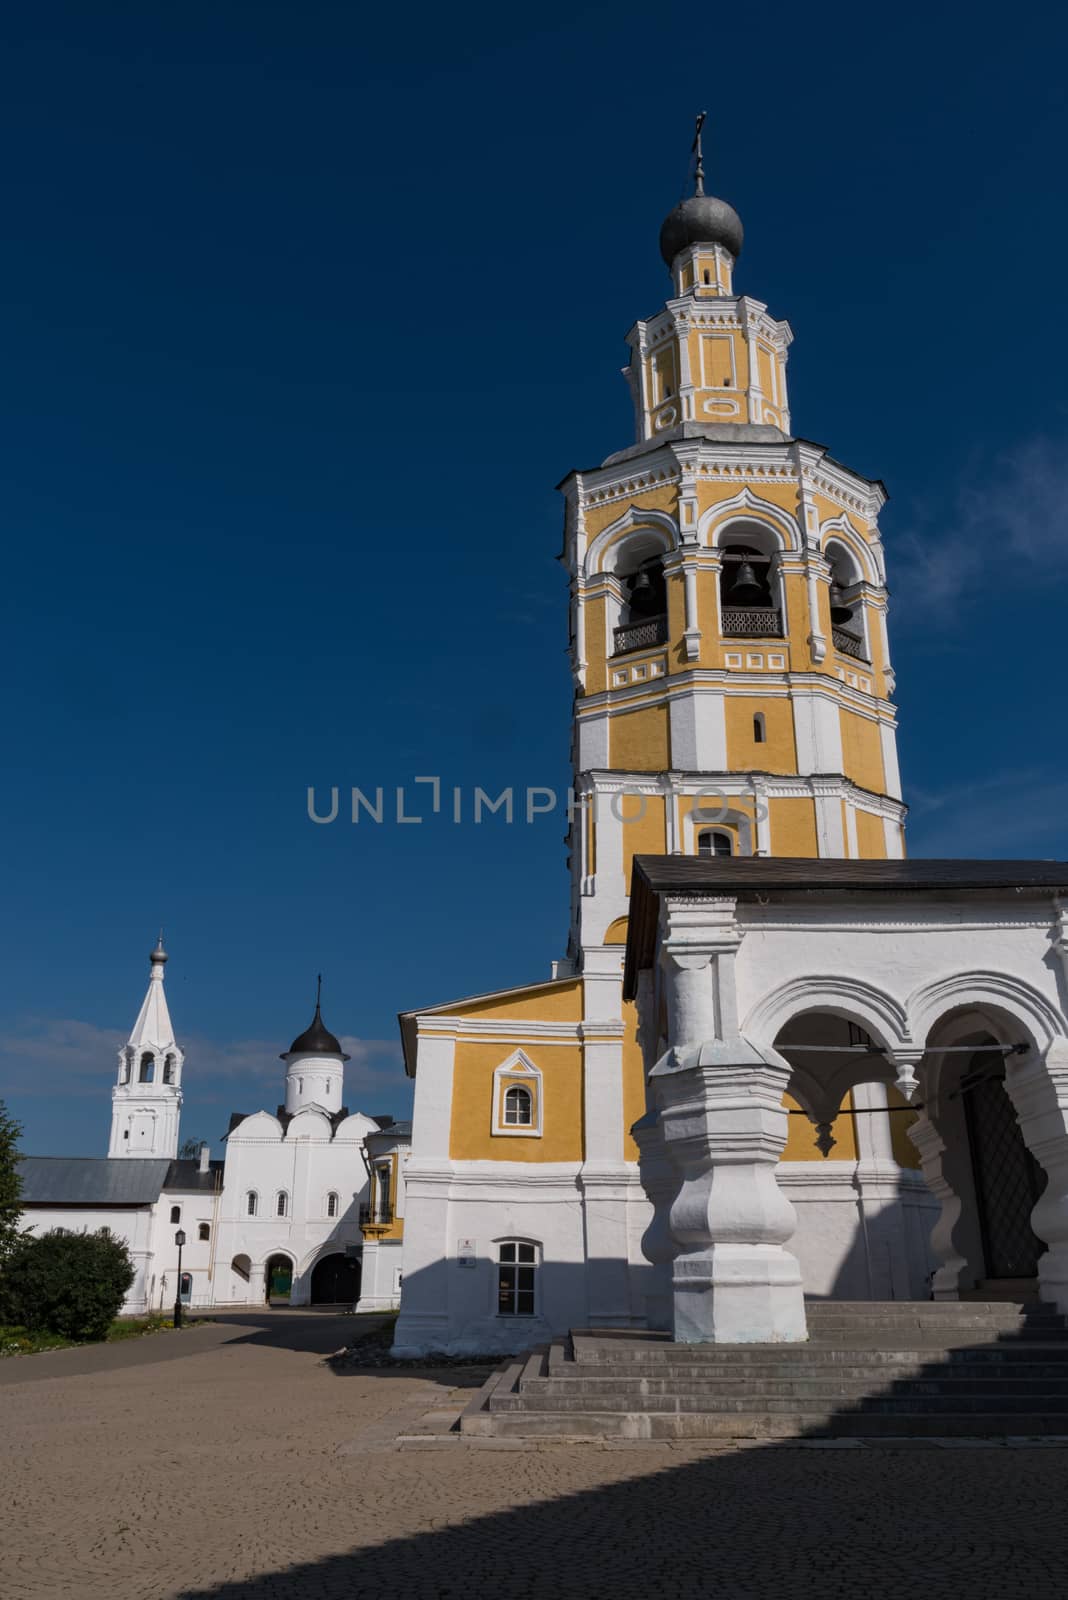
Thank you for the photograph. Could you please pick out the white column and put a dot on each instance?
(1038, 1088)
(953, 1272)
(723, 1125)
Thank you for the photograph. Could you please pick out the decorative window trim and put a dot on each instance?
(252, 1203)
(281, 1203)
(333, 1204)
(520, 1072)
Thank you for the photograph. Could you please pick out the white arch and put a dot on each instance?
(327, 1247)
(842, 529)
(746, 505)
(1009, 1003)
(608, 544)
(883, 1017)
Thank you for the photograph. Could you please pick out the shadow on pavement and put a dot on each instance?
(785, 1522)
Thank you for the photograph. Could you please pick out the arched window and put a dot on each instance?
(148, 1067)
(168, 1069)
(127, 1067)
(176, 1213)
(203, 1231)
(517, 1265)
(252, 1203)
(759, 728)
(715, 842)
(332, 1205)
(518, 1107)
(281, 1206)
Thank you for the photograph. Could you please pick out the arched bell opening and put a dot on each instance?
(750, 588)
(640, 614)
(849, 632)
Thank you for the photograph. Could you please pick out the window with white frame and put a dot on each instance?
(332, 1204)
(517, 1097)
(252, 1203)
(281, 1205)
(518, 1106)
(517, 1266)
(715, 842)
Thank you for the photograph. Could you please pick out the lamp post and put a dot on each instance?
(179, 1240)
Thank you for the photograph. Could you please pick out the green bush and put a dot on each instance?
(72, 1284)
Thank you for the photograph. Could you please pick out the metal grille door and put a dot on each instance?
(1008, 1180)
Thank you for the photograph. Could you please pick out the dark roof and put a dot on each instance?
(186, 1175)
(317, 1040)
(286, 1117)
(754, 877)
(92, 1180)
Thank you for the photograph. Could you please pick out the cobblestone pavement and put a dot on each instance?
(246, 1469)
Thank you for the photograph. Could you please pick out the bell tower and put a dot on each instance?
(146, 1101)
(728, 608)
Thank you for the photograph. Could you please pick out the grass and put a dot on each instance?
(23, 1342)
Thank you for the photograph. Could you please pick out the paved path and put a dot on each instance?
(233, 1463)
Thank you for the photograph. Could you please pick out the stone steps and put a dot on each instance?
(935, 1369)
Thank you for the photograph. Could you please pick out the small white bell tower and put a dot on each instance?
(146, 1101)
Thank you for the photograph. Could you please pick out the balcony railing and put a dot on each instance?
(752, 622)
(850, 644)
(639, 635)
(376, 1216)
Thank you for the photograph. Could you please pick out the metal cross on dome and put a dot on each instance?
(696, 149)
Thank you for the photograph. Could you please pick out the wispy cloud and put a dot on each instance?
(1016, 812)
(1010, 519)
(65, 1058)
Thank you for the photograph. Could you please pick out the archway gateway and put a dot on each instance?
(335, 1280)
(278, 1279)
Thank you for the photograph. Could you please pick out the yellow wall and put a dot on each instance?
(633, 1079)
(801, 1136)
(871, 837)
(638, 740)
(548, 1002)
(862, 754)
(778, 753)
(905, 1152)
(644, 832)
(471, 1137)
(793, 827)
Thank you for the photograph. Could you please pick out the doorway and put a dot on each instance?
(336, 1280)
(1008, 1179)
(278, 1277)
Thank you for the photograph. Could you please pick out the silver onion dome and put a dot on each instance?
(702, 219)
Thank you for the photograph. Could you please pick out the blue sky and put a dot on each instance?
(304, 310)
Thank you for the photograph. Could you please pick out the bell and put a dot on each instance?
(641, 584)
(746, 590)
(840, 612)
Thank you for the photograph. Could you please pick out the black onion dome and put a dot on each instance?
(702, 219)
(316, 1041)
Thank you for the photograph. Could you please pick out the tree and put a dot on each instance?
(10, 1183)
(72, 1284)
(190, 1149)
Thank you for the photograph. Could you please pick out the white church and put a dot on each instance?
(305, 1207)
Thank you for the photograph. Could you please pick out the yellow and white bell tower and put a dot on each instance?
(729, 647)
(732, 695)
